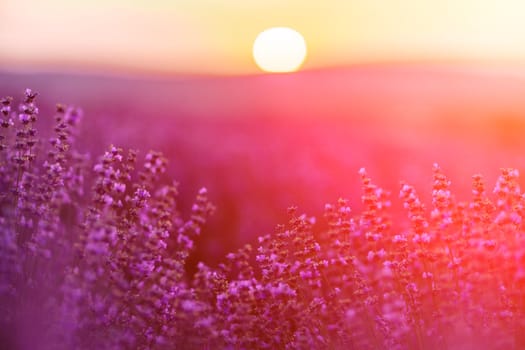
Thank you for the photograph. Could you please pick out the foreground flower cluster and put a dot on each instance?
(93, 255)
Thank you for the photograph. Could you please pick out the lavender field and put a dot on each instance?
(236, 213)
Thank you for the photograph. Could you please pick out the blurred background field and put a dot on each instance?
(261, 143)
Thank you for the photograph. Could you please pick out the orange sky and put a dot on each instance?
(216, 36)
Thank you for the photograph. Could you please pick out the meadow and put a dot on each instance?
(198, 244)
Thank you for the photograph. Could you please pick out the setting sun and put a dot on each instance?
(279, 50)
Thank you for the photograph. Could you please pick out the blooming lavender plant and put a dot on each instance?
(94, 255)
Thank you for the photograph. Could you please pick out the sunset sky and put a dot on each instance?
(216, 36)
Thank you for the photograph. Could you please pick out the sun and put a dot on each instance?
(279, 50)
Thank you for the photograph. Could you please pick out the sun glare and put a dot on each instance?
(279, 50)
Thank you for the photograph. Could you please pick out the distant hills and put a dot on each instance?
(457, 98)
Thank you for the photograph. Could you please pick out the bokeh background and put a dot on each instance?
(392, 86)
